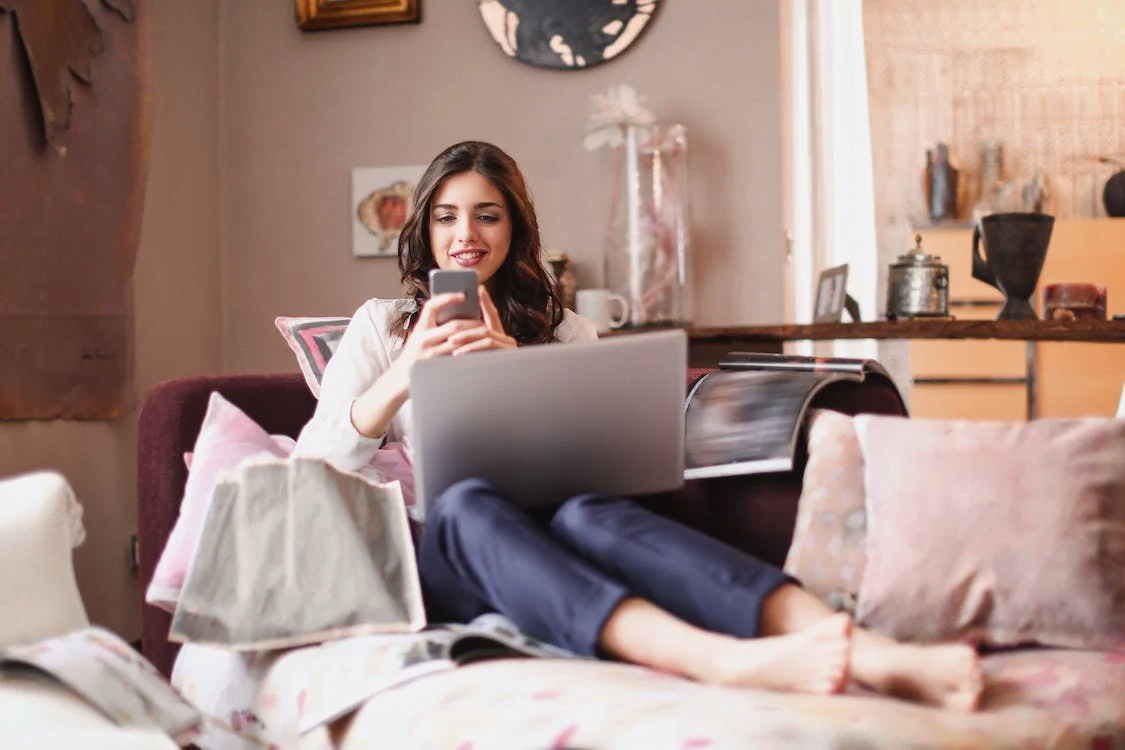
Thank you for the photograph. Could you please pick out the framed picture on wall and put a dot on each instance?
(315, 15)
(831, 294)
(382, 198)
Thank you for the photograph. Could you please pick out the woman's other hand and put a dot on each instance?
(482, 337)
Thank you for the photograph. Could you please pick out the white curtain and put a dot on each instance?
(829, 188)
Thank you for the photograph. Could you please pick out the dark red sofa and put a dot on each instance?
(755, 513)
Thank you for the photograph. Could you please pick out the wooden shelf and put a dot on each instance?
(1108, 332)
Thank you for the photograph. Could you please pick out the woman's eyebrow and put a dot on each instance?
(485, 204)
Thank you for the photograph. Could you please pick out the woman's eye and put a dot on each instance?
(444, 219)
(488, 219)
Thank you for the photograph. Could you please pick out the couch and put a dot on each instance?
(39, 599)
(1034, 698)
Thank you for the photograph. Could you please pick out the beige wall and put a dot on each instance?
(256, 127)
(300, 110)
(176, 306)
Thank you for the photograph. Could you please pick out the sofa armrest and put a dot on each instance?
(37, 713)
(39, 595)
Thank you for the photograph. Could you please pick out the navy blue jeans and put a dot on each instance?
(559, 575)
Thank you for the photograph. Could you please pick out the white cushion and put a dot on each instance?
(38, 592)
(36, 713)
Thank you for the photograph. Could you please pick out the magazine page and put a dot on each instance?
(747, 421)
(354, 670)
(494, 636)
(801, 362)
(111, 676)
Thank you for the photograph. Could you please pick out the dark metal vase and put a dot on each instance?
(1015, 247)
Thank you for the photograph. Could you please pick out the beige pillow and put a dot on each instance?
(1003, 533)
(827, 554)
(38, 528)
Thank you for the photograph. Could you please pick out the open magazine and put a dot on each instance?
(746, 417)
(353, 670)
(110, 675)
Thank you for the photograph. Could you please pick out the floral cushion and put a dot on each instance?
(828, 551)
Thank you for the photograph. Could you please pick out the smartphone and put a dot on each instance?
(446, 281)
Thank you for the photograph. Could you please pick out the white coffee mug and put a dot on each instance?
(595, 304)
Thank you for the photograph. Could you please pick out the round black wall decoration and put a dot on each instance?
(566, 34)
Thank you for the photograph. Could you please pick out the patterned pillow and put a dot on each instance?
(314, 341)
(828, 553)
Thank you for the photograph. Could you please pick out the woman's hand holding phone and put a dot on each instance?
(490, 335)
(429, 338)
(372, 412)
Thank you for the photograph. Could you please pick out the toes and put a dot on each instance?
(840, 679)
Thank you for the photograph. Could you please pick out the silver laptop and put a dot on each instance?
(545, 423)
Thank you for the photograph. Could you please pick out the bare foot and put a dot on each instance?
(946, 676)
(813, 660)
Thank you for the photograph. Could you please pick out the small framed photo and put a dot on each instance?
(314, 15)
(382, 198)
(831, 294)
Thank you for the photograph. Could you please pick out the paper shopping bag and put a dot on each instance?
(294, 551)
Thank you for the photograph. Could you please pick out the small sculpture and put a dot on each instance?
(1113, 195)
(1016, 247)
(941, 184)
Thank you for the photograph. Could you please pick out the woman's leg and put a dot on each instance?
(480, 554)
(814, 660)
(714, 586)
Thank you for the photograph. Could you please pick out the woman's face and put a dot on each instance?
(470, 226)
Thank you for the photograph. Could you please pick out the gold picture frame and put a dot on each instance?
(315, 15)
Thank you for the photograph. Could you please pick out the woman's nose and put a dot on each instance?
(466, 232)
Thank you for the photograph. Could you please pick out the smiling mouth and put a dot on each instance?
(468, 258)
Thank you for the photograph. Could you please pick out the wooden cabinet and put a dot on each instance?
(1066, 379)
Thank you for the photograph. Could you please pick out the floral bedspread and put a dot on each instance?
(1033, 699)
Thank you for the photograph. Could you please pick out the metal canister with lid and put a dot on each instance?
(918, 285)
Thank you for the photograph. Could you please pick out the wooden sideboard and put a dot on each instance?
(708, 345)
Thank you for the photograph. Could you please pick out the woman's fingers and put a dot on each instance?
(444, 349)
(472, 334)
(488, 309)
(480, 345)
(429, 315)
(474, 343)
(442, 332)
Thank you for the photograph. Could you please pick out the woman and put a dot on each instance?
(598, 575)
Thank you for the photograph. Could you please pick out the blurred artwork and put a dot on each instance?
(382, 199)
(566, 34)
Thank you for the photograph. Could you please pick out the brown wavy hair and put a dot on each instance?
(524, 292)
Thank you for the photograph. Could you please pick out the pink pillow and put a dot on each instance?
(226, 439)
(284, 442)
(828, 552)
(313, 341)
(1000, 533)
